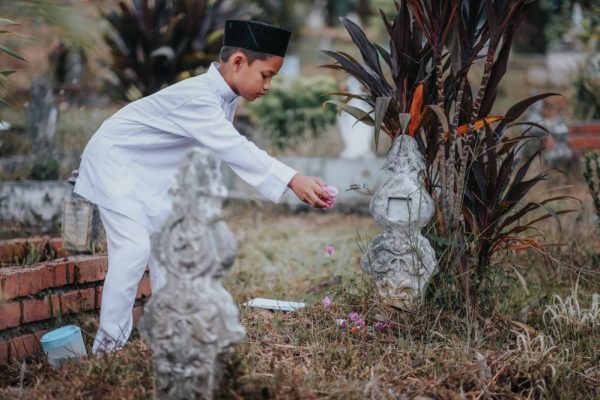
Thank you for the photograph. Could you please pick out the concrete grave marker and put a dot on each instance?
(192, 323)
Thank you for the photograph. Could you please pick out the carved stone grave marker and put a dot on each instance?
(192, 323)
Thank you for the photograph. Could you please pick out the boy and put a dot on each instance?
(130, 162)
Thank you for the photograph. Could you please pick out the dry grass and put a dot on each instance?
(520, 352)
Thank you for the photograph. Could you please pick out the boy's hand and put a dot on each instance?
(309, 189)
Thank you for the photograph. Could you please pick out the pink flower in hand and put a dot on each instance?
(326, 301)
(332, 191)
(330, 250)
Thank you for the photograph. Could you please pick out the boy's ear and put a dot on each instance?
(238, 59)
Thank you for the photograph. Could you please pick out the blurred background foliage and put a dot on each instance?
(131, 48)
(5, 25)
(293, 110)
(155, 43)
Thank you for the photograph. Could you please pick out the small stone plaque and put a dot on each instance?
(399, 208)
(77, 225)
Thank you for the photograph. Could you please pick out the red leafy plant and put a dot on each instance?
(421, 87)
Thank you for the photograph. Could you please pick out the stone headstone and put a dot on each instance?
(400, 259)
(560, 155)
(42, 113)
(81, 227)
(192, 323)
(75, 67)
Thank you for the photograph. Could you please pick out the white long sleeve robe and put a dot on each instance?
(131, 161)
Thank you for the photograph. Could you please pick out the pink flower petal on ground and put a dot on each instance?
(380, 326)
(330, 250)
(326, 301)
(359, 322)
(353, 316)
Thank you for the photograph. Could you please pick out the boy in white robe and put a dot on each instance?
(130, 162)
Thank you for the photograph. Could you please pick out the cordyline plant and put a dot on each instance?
(155, 43)
(422, 90)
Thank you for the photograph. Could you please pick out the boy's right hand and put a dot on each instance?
(310, 190)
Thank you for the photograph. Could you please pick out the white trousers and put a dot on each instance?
(128, 255)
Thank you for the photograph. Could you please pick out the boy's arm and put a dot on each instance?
(204, 120)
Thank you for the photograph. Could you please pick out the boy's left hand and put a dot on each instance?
(310, 190)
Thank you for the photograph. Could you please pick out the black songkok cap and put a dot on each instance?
(257, 36)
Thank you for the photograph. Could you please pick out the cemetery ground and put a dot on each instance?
(541, 342)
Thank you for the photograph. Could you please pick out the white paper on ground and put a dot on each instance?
(272, 304)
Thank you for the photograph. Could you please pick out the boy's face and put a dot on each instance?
(253, 80)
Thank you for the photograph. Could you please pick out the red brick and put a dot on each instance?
(586, 128)
(57, 245)
(8, 251)
(3, 352)
(88, 299)
(71, 272)
(23, 347)
(38, 335)
(144, 289)
(10, 315)
(91, 268)
(137, 314)
(23, 281)
(584, 143)
(62, 272)
(36, 310)
(99, 291)
(77, 301)
(55, 305)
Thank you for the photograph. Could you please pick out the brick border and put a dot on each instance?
(32, 294)
(9, 249)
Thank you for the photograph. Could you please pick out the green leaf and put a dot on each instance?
(441, 241)
(11, 52)
(521, 279)
(381, 106)
(4, 21)
(7, 73)
(354, 111)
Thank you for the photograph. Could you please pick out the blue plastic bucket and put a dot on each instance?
(63, 344)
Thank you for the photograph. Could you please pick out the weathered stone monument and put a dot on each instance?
(192, 323)
(401, 259)
(42, 113)
(81, 227)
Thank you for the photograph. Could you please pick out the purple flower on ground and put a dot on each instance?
(380, 326)
(353, 316)
(342, 323)
(326, 301)
(359, 323)
(330, 250)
